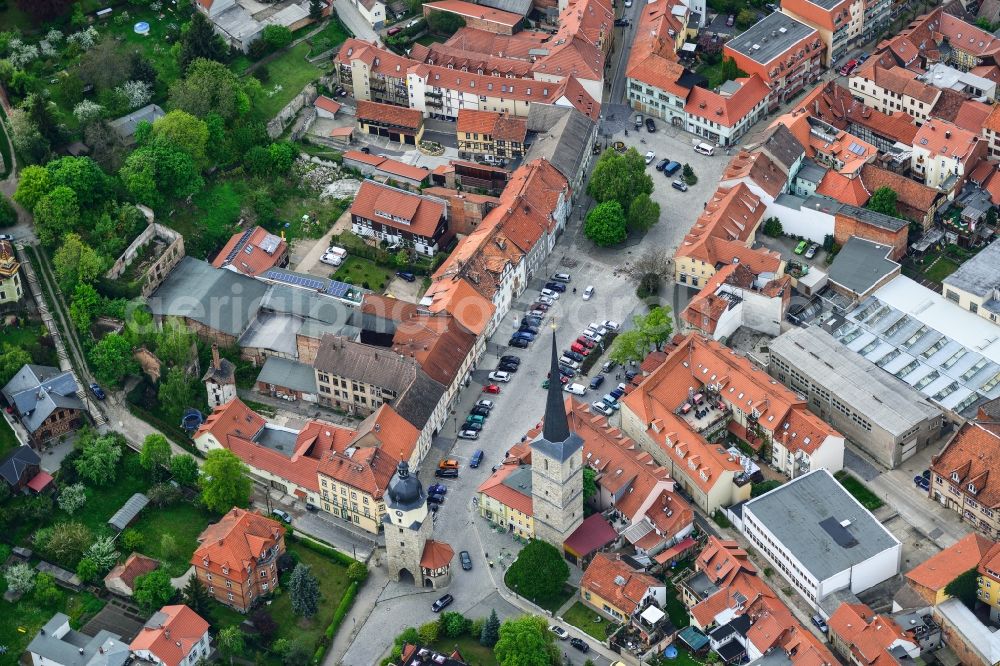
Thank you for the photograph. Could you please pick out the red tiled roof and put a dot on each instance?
(369, 470)
(495, 488)
(246, 254)
(730, 110)
(972, 115)
(398, 116)
(436, 555)
(843, 189)
(732, 214)
(135, 565)
(937, 571)
(601, 578)
(958, 143)
(376, 202)
(593, 533)
(501, 126)
(39, 481)
(868, 636)
(652, 59)
(913, 199)
(327, 104)
(460, 299)
(386, 429)
(974, 455)
(173, 637)
(477, 12)
(439, 343)
(237, 541)
(758, 168)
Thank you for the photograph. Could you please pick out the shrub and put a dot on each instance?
(345, 605)
(429, 632)
(357, 572)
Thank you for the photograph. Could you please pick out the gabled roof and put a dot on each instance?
(973, 454)
(398, 116)
(937, 571)
(369, 470)
(617, 583)
(386, 429)
(868, 636)
(17, 463)
(476, 12)
(36, 391)
(170, 634)
(511, 486)
(398, 209)
(913, 199)
(727, 110)
(120, 578)
(236, 542)
(325, 103)
(251, 252)
(732, 214)
(845, 189)
(943, 139)
(500, 126)
(756, 167)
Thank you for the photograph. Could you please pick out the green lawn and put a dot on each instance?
(155, 45)
(676, 609)
(20, 622)
(322, 214)
(588, 620)
(184, 521)
(210, 219)
(714, 74)
(102, 503)
(332, 582)
(8, 442)
(868, 499)
(940, 269)
(29, 338)
(474, 653)
(330, 36)
(363, 272)
(289, 74)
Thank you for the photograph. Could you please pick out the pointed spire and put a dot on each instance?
(556, 427)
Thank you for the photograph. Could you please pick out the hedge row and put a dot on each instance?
(325, 550)
(345, 604)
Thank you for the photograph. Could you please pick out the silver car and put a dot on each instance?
(601, 408)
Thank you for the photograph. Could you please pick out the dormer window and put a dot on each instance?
(972, 488)
(225, 571)
(954, 477)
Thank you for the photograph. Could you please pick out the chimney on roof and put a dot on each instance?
(216, 362)
(947, 134)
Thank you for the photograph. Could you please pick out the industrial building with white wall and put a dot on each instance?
(820, 538)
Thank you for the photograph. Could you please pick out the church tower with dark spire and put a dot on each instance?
(556, 468)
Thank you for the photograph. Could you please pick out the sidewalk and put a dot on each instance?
(364, 604)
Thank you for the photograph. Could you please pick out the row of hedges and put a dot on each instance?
(596, 353)
(325, 550)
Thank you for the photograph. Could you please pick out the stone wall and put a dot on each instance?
(154, 276)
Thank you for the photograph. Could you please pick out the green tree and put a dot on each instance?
(8, 214)
(196, 596)
(103, 553)
(46, 593)
(656, 327)
(282, 155)
(154, 173)
(132, 540)
(539, 572)
(643, 213)
(729, 69)
(210, 87)
(168, 546)
(589, 482)
(883, 200)
(179, 129)
(33, 183)
(629, 346)
(84, 307)
(296, 653)
(758, 489)
(745, 18)
(184, 469)
(315, 9)
(82, 175)
(304, 591)
(445, 24)
(20, 578)
(230, 642)
(87, 570)
(772, 227)
(224, 482)
(176, 392)
(75, 263)
(98, 460)
(72, 498)
(155, 454)
(491, 630)
(454, 625)
(619, 177)
(56, 214)
(12, 359)
(112, 359)
(357, 572)
(429, 632)
(525, 641)
(276, 36)
(605, 224)
(688, 173)
(174, 343)
(965, 587)
(67, 543)
(199, 40)
(152, 591)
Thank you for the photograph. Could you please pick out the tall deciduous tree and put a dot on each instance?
(605, 224)
(884, 200)
(34, 182)
(539, 572)
(304, 591)
(525, 641)
(656, 327)
(12, 359)
(176, 392)
(184, 469)
(85, 305)
(75, 263)
(619, 177)
(628, 346)
(152, 591)
(224, 482)
(154, 173)
(180, 130)
(155, 454)
(112, 359)
(56, 214)
(230, 642)
(72, 498)
(199, 40)
(210, 87)
(98, 461)
(643, 213)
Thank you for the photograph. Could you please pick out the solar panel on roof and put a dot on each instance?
(856, 149)
(236, 248)
(291, 278)
(337, 289)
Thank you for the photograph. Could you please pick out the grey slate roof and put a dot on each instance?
(73, 648)
(417, 404)
(520, 7)
(804, 516)
(15, 464)
(128, 512)
(810, 171)
(289, 374)
(874, 218)
(125, 126)
(780, 145)
(979, 275)
(862, 264)
(38, 390)
(562, 137)
(215, 297)
(770, 46)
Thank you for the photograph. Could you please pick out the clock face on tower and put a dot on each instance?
(399, 513)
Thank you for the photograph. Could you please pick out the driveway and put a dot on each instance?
(355, 22)
(306, 252)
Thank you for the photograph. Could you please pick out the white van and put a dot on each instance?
(575, 389)
(704, 149)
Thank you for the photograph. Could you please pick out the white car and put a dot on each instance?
(500, 376)
(546, 300)
(488, 404)
(575, 389)
(588, 293)
(331, 259)
(598, 329)
(611, 325)
(468, 434)
(601, 408)
(592, 336)
(568, 362)
(650, 156)
(548, 293)
(559, 631)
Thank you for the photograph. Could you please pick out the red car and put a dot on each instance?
(848, 68)
(589, 344)
(579, 349)
(491, 388)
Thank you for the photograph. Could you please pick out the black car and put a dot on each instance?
(528, 328)
(567, 371)
(435, 499)
(556, 286)
(437, 489)
(480, 411)
(622, 22)
(442, 603)
(534, 320)
(579, 644)
(466, 560)
(631, 374)
(507, 367)
(406, 275)
(650, 125)
(97, 391)
(520, 343)
(475, 427)
(509, 358)
(576, 356)
(596, 381)
(446, 473)
(662, 164)
(476, 460)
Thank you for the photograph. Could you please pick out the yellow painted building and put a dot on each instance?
(989, 581)
(11, 288)
(352, 487)
(503, 502)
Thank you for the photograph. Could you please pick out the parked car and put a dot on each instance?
(520, 343)
(672, 168)
(731, 20)
(476, 427)
(580, 644)
(849, 67)
(491, 388)
(446, 473)
(447, 463)
(556, 286)
(569, 362)
(466, 560)
(662, 164)
(650, 156)
(574, 356)
(548, 293)
(650, 125)
(508, 358)
(531, 320)
(588, 293)
(679, 185)
(480, 411)
(611, 402)
(500, 376)
(559, 631)
(801, 247)
(394, 31)
(608, 366)
(437, 489)
(406, 275)
(474, 418)
(579, 349)
(631, 374)
(811, 252)
(575, 389)
(601, 408)
(507, 367)
(331, 259)
(611, 324)
(820, 623)
(543, 307)
(622, 22)
(537, 313)
(477, 458)
(283, 515)
(442, 603)
(589, 344)
(566, 371)
(435, 499)
(592, 336)
(528, 328)
(524, 335)
(546, 300)
(561, 277)
(6, 237)
(97, 391)
(596, 381)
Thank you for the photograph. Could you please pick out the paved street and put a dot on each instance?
(355, 22)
